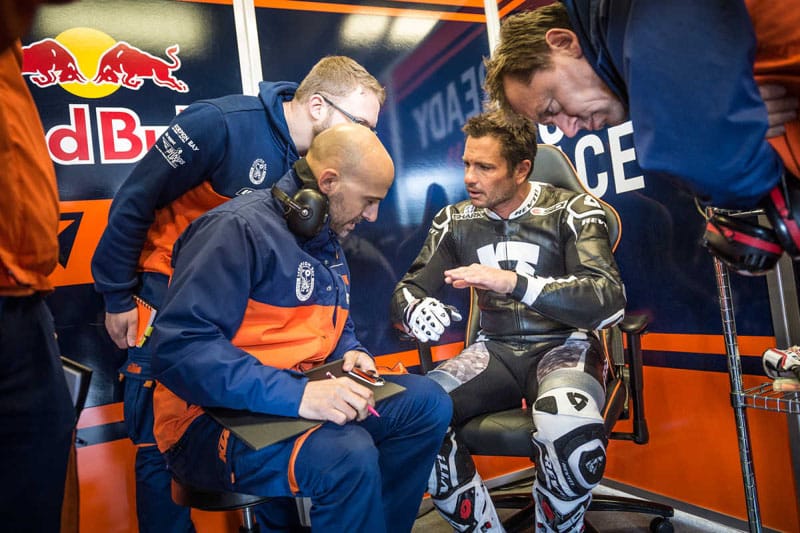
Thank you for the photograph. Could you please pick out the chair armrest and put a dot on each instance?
(634, 324)
(634, 330)
(425, 356)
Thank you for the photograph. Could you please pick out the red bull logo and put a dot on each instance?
(48, 62)
(130, 66)
(91, 64)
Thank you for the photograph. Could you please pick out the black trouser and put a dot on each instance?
(36, 418)
(512, 372)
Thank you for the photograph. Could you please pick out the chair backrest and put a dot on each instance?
(552, 166)
(508, 432)
(78, 378)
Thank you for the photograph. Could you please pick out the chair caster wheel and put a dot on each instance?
(661, 524)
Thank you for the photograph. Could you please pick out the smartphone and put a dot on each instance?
(367, 377)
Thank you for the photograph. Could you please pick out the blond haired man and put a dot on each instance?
(214, 150)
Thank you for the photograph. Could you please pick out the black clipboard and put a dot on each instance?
(259, 430)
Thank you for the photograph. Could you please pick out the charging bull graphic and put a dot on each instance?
(48, 62)
(129, 66)
(92, 64)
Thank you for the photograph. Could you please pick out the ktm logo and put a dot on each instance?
(91, 64)
(79, 230)
(521, 256)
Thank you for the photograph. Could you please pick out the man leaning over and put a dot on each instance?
(697, 113)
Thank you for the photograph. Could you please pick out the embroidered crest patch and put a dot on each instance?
(304, 286)
(258, 171)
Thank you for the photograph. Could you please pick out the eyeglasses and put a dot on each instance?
(351, 118)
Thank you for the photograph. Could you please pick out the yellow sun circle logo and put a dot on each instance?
(87, 46)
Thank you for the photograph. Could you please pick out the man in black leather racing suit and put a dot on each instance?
(540, 260)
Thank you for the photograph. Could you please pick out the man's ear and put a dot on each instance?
(564, 41)
(328, 180)
(522, 171)
(316, 106)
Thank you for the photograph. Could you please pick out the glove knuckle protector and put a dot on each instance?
(425, 318)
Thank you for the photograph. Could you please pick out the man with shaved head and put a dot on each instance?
(211, 152)
(260, 292)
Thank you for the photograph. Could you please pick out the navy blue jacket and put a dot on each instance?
(212, 151)
(684, 68)
(248, 302)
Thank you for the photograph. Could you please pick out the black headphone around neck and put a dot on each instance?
(306, 212)
(745, 247)
(752, 249)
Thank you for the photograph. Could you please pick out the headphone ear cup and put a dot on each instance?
(779, 211)
(746, 248)
(310, 215)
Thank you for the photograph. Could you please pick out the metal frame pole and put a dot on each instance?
(735, 374)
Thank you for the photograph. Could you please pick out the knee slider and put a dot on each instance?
(571, 441)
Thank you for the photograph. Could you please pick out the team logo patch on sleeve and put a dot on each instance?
(304, 286)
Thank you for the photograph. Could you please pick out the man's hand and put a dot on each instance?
(338, 400)
(780, 108)
(358, 359)
(426, 319)
(482, 277)
(122, 328)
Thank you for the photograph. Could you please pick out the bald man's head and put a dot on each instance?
(345, 146)
(354, 170)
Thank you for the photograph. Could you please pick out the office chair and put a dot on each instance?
(509, 433)
(217, 500)
(78, 378)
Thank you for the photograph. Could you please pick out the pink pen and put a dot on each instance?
(369, 407)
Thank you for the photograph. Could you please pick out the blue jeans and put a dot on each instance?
(363, 476)
(37, 417)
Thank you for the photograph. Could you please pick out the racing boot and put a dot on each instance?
(458, 492)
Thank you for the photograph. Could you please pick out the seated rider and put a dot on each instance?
(540, 261)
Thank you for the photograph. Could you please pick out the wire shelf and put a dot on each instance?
(763, 397)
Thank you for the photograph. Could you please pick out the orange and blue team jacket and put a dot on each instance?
(212, 151)
(248, 306)
(777, 27)
(29, 202)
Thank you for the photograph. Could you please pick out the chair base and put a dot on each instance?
(522, 519)
(212, 500)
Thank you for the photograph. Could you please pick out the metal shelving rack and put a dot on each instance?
(738, 395)
(763, 397)
(759, 397)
